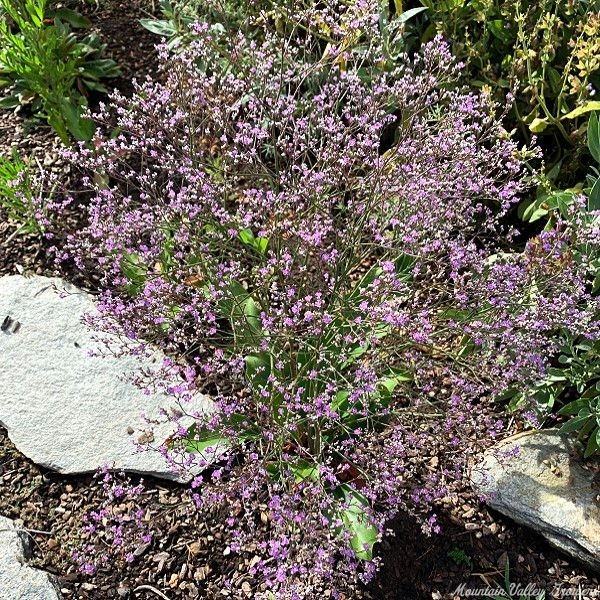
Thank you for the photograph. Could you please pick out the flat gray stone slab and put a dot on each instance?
(546, 487)
(66, 410)
(18, 581)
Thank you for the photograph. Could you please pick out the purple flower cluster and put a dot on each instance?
(113, 532)
(322, 284)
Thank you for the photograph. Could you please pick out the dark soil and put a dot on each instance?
(187, 558)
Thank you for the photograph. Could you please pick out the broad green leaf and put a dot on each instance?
(258, 369)
(94, 86)
(538, 125)
(404, 265)
(536, 215)
(553, 173)
(198, 441)
(573, 407)
(261, 244)
(574, 424)
(499, 31)
(246, 236)
(393, 380)
(302, 470)
(364, 535)
(354, 354)
(101, 67)
(593, 136)
(593, 444)
(163, 28)
(10, 102)
(409, 14)
(582, 110)
(73, 18)
(135, 271)
(251, 316)
(366, 280)
(340, 402)
(200, 446)
(594, 197)
(554, 79)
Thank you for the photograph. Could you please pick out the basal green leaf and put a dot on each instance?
(594, 197)
(261, 244)
(303, 469)
(593, 136)
(409, 14)
(258, 369)
(246, 237)
(593, 444)
(364, 534)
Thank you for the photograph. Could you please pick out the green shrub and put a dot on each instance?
(576, 373)
(18, 198)
(549, 50)
(42, 63)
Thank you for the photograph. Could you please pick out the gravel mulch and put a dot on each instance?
(188, 557)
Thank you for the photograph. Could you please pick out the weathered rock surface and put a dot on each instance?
(546, 487)
(64, 409)
(18, 581)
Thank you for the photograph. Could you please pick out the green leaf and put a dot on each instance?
(594, 197)
(261, 244)
(10, 102)
(199, 441)
(574, 424)
(73, 18)
(536, 215)
(581, 110)
(340, 403)
(246, 236)
(409, 14)
(101, 67)
(573, 407)
(499, 31)
(538, 125)
(593, 136)
(133, 268)
(593, 444)
(95, 86)
(554, 78)
(81, 128)
(163, 28)
(553, 173)
(392, 381)
(258, 369)
(364, 535)
(356, 352)
(302, 470)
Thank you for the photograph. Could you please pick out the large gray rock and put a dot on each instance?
(18, 581)
(64, 409)
(546, 488)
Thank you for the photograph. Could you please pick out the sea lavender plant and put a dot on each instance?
(321, 283)
(112, 530)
